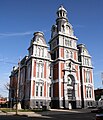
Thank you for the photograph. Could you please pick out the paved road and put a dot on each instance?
(52, 115)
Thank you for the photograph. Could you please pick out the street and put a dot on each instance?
(52, 116)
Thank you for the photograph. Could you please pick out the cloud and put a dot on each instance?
(15, 34)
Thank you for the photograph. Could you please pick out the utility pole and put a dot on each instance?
(17, 89)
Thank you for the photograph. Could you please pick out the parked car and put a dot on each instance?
(99, 116)
(97, 110)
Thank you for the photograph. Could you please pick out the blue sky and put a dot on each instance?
(19, 19)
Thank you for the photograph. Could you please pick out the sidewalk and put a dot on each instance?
(46, 114)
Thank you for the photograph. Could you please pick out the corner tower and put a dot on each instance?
(64, 53)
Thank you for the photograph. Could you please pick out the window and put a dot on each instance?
(69, 81)
(70, 42)
(60, 13)
(42, 52)
(67, 54)
(40, 70)
(36, 90)
(90, 93)
(69, 92)
(49, 91)
(41, 90)
(71, 54)
(66, 42)
(39, 51)
(36, 103)
(41, 103)
(87, 76)
(87, 93)
(86, 61)
(63, 28)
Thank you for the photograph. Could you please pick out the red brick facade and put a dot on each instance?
(55, 71)
(34, 69)
(56, 90)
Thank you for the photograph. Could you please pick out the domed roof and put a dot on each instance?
(62, 8)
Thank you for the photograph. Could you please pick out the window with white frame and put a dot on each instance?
(88, 76)
(69, 81)
(88, 92)
(39, 51)
(42, 52)
(38, 67)
(37, 90)
(67, 54)
(41, 90)
(66, 42)
(71, 54)
(70, 43)
(40, 70)
(41, 103)
(86, 61)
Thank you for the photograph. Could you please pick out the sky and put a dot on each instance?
(19, 19)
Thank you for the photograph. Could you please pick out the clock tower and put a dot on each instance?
(64, 53)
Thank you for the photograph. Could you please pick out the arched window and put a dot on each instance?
(69, 81)
(63, 28)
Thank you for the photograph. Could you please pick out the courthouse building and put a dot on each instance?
(58, 77)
